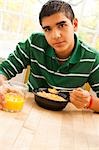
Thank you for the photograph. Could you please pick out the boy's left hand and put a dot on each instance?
(80, 98)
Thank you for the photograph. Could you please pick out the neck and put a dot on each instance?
(62, 59)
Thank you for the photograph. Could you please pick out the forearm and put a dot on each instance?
(2, 79)
(95, 104)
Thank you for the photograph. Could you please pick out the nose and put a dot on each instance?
(56, 34)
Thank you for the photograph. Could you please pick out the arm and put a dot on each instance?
(82, 98)
(17, 61)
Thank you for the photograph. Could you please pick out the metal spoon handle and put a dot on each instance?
(65, 90)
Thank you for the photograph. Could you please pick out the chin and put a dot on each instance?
(60, 49)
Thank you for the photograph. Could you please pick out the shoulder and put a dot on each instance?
(37, 35)
(38, 39)
(88, 50)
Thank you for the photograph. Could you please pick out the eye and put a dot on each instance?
(62, 25)
(47, 29)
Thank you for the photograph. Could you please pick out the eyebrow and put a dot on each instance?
(46, 27)
(61, 22)
(58, 23)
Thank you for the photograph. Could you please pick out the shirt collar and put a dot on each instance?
(50, 51)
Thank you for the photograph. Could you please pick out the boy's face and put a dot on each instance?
(59, 33)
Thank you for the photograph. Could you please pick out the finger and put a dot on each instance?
(1, 97)
(81, 93)
(78, 104)
(14, 90)
(19, 92)
(2, 104)
(81, 99)
(76, 97)
(2, 90)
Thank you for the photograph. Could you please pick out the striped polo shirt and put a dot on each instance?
(45, 70)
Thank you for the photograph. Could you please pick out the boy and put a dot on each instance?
(57, 58)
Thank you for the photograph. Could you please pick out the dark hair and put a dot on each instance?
(54, 6)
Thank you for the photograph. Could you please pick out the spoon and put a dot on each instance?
(55, 91)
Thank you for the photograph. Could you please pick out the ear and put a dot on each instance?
(75, 24)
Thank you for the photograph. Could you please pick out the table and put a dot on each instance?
(35, 128)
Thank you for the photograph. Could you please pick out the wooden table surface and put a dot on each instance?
(35, 128)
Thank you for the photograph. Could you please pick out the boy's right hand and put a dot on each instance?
(6, 88)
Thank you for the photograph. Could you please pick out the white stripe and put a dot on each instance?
(95, 69)
(29, 41)
(64, 75)
(30, 85)
(34, 46)
(40, 49)
(90, 60)
(42, 66)
(57, 87)
(95, 85)
(18, 60)
(22, 51)
(97, 92)
(84, 46)
(81, 75)
(37, 76)
(12, 66)
(7, 72)
(11, 72)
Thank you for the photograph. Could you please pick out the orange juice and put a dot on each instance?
(14, 102)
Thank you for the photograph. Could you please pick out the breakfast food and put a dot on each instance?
(50, 96)
(54, 91)
(14, 102)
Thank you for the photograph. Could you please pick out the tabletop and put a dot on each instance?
(35, 128)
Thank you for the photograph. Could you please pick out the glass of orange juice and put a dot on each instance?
(15, 100)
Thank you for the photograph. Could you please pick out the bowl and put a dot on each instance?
(51, 104)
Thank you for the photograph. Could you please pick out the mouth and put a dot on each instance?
(59, 43)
